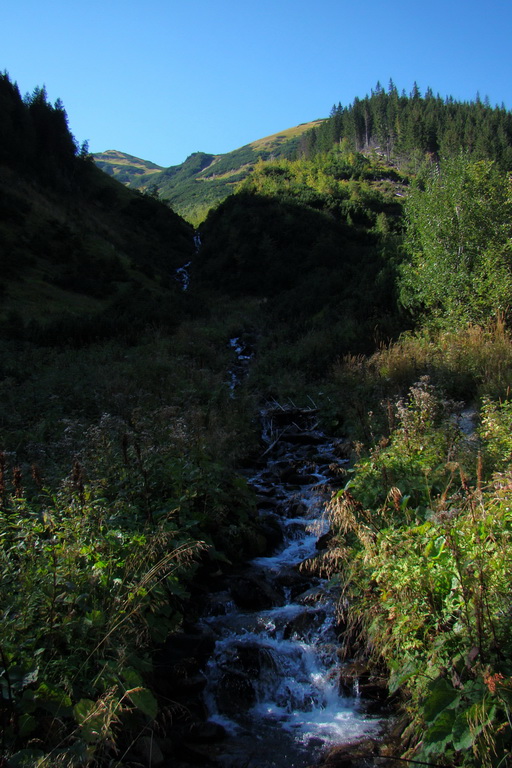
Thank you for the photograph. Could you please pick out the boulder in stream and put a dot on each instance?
(254, 593)
(235, 692)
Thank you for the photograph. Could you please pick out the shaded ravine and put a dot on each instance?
(273, 677)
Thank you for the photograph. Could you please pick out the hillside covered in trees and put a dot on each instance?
(414, 125)
(369, 274)
(400, 127)
(78, 251)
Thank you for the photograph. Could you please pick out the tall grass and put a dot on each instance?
(466, 364)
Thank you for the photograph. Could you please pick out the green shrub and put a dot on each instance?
(424, 559)
(84, 586)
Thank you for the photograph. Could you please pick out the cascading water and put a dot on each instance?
(182, 274)
(242, 347)
(273, 679)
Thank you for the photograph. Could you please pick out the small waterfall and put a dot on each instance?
(183, 276)
(243, 349)
(273, 678)
(182, 273)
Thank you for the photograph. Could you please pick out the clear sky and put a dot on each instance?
(161, 79)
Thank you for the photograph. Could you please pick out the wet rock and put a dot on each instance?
(304, 624)
(344, 449)
(195, 754)
(358, 754)
(292, 477)
(252, 659)
(324, 541)
(188, 686)
(305, 438)
(253, 593)
(267, 503)
(219, 604)
(284, 415)
(267, 492)
(375, 699)
(355, 678)
(178, 665)
(187, 645)
(234, 692)
(294, 530)
(312, 596)
(296, 509)
(205, 733)
(272, 533)
(294, 581)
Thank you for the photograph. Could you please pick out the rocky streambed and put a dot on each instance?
(257, 681)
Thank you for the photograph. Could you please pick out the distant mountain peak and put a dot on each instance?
(203, 180)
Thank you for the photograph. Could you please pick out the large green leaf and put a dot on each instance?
(90, 718)
(440, 733)
(144, 700)
(140, 696)
(27, 724)
(54, 700)
(441, 696)
(26, 758)
(462, 736)
(398, 678)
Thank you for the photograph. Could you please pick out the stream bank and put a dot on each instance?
(258, 680)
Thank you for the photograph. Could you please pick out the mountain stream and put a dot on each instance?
(273, 680)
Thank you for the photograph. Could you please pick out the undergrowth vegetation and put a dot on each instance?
(84, 587)
(466, 363)
(423, 532)
(117, 485)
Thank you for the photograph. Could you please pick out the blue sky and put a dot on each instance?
(161, 79)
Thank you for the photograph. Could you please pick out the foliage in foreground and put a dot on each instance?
(95, 574)
(96, 567)
(83, 587)
(424, 556)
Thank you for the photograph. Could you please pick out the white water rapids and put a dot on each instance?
(273, 679)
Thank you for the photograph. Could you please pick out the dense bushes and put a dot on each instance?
(458, 238)
(84, 585)
(423, 553)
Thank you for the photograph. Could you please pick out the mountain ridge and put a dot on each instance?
(182, 185)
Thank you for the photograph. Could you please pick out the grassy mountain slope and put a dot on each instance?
(203, 180)
(85, 257)
(125, 168)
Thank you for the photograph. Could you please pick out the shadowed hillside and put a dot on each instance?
(79, 252)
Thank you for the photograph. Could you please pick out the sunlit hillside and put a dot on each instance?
(202, 180)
